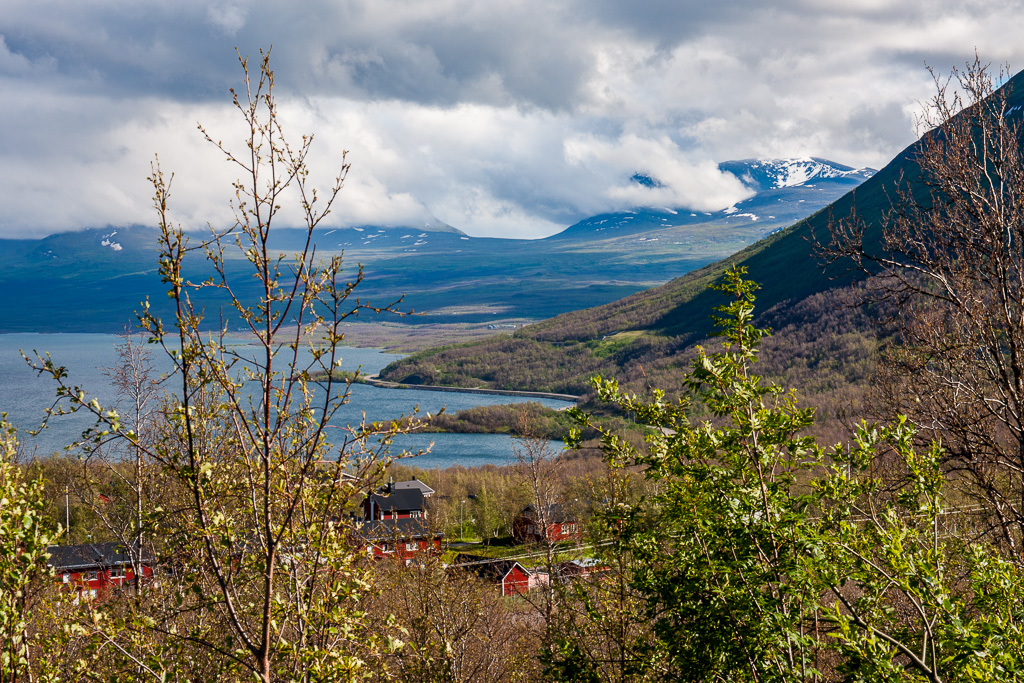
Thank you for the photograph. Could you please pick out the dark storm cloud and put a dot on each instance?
(668, 22)
(372, 51)
(124, 50)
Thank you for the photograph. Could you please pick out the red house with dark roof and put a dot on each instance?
(395, 522)
(510, 576)
(402, 539)
(556, 524)
(94, 569)
(396, 501)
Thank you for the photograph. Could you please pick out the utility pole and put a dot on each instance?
(461, 527)
(67, 513)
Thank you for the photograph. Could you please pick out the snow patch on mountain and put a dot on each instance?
(772, 174)
(105, 241)
(793, 172)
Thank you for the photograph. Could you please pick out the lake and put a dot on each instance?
(25, 398)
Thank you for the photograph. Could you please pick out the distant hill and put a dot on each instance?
(561, 353)
(430, 237)
(94, 280)
(645, 338)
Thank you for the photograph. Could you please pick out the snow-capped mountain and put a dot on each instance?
(786, 190)
(773, 174)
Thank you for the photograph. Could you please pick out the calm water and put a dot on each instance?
(25, 397)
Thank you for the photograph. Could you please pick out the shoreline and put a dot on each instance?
(374, 380)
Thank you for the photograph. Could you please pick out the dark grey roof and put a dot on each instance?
(69, 558)
(485, 567)
(396, 529)
(399, 500)
(556, 514)
(413, 483)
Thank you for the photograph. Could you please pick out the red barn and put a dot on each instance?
(510, 576)
(94, 569)
(555, 524)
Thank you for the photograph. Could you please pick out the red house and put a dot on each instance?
(554, 525)
(92, 570)
(395, 522)
(403, 539)
(396, 501)
(510, 576)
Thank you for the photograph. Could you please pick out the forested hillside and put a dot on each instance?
(645, 338)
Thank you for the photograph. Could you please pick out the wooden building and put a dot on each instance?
(93, 570)
(556, 524)
(395, 522)
(511, 577)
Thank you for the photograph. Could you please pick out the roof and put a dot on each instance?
(556, 514)
(413, 483)
(398, 500)
(583, 566)
(390, 529)
(65, 558)
(487, 568)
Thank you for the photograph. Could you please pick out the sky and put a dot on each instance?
(514, 118)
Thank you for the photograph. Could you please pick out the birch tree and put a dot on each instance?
(949, 259)
(259, 578)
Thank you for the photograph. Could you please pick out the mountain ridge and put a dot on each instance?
(94, 280)
(780, 187)
(648, 328)
(763, 174)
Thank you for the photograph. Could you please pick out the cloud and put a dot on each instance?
(498, 118)
(680, 181)
(230, 17)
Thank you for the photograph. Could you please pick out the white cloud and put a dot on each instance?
(228, 16)
(498, 118)
(682, 181)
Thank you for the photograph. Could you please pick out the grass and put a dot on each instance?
(613, 343)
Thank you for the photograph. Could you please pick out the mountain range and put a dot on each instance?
(93, 280)
(784, 191)
(646, 338)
